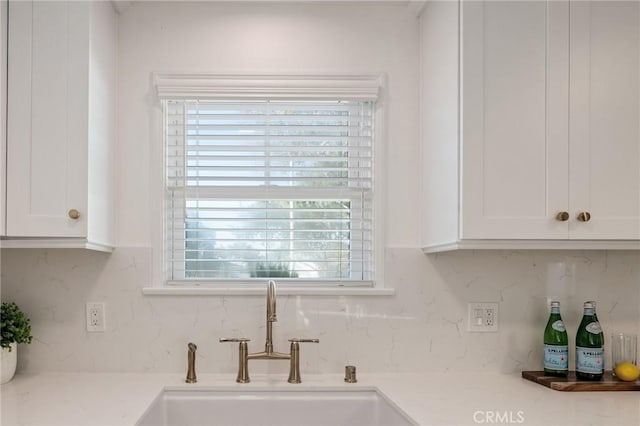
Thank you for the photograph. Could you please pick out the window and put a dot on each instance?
(269, 187)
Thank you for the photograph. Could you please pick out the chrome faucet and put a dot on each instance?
(269, 353)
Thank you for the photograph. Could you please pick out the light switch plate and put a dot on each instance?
(483, 317)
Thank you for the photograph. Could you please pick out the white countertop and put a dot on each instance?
(434, 399)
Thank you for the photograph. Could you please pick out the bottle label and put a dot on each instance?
(556, 357)
(558, 326)
(594, 328)
(590, 360)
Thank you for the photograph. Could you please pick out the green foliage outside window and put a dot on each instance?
(273, 270)
(308, 238)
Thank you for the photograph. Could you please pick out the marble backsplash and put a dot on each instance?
(422, 328)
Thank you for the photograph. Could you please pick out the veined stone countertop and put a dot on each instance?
(88, 399)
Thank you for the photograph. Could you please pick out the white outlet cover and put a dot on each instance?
(482, 317)
(95, 317)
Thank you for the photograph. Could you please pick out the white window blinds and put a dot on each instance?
(269, 188)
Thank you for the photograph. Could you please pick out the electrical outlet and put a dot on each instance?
(95, 317)
(483, 317)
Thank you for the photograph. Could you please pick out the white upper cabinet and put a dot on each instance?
(514, 120)
(531, 125)
(604, 119)
(61, 125)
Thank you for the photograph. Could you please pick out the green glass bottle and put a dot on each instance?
(595, 315)
(589, 346)
(556, 344)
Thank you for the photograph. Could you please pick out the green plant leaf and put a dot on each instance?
(14, 325)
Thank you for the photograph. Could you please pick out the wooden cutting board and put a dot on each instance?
(608, 382)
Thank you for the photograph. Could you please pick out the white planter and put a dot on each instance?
(8, 363)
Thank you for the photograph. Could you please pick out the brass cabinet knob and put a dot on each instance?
(562, 216)
(584, 216)
(74, 214)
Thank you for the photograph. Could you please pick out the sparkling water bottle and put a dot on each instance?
(556, 344)
(595, 315)
(589, 346)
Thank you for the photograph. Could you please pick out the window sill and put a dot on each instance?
(261, 291)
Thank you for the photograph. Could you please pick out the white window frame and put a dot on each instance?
(364, 87)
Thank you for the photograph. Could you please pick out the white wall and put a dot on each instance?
(102, 121)
(423, 328)
(278, 38)
(3, 113)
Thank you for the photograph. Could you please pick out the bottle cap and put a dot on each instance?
(589, 305)
(555, 304)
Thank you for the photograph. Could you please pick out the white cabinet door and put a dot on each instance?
(47, 125)
(514, 84)
(605, 119)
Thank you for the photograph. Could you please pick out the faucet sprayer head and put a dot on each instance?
(271, 301)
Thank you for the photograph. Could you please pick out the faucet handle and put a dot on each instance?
(234, 339)
(243, 360)
(296, 340)
(294, 366)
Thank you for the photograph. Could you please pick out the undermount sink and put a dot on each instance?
(238, 407)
